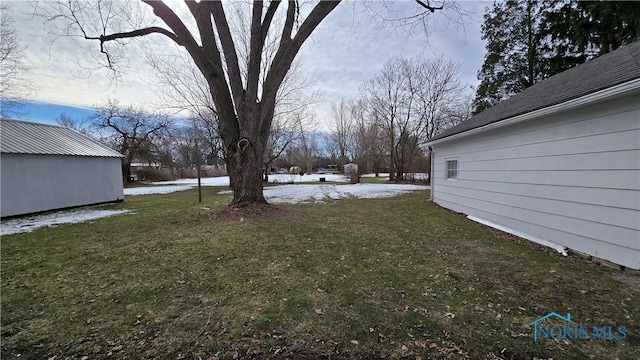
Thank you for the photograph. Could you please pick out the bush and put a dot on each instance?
(193, 173)
(154, 175)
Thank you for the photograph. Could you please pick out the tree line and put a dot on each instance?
(528, 41)
(407, 103)
(381, 130)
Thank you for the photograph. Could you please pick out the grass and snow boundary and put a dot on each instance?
(32, 222)
(283, 194)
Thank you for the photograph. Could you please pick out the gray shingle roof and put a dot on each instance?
(22, 137)
(616, 67)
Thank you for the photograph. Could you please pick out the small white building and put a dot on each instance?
(350, 169)
(47, 167)
(558, 163)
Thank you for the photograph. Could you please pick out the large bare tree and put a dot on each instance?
(244, 104)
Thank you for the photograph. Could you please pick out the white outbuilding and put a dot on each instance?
(557, 164)
(47, 167)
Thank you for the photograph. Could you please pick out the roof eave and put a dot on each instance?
(598, 96)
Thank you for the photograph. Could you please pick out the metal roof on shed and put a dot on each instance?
(23, 137)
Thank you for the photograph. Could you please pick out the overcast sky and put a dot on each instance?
(349, 47)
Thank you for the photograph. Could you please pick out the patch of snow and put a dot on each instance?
(380, 175)
(208, 181)
(385, 176)
(30, 223)
(288, 178)
(166, 187)
(288, 193)
(146, 190)
(273, 178)
(417, 176)
(306, 193)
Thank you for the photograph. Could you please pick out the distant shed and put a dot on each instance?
(47, 167)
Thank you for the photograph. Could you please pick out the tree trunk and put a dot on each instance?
(245, 168)
(126, 172)
(245, 159)
(126, 168)
(267, 171)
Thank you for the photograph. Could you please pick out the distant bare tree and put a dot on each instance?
(412, 100)
(440, 96)
(307, 144)
(79, 125)
(340, 137)
(181, 87)
(131, 131)
(14, 86)
(369, 141)
(386, 101)
(283, 134)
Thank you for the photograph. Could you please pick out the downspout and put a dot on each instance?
(431, 172)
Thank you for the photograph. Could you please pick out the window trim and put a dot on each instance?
(450, 172)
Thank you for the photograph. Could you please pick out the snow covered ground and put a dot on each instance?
(30, 223)
(305, 193)
(290, 193)
(165, 187)
(146, 190)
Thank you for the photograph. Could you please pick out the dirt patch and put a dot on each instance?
(248, 211)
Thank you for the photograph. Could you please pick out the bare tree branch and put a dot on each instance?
(429, 7)
(255, 52)
(287, 52)
(14, 87)
(228, 48)
(287, 30)
(172, 20)
(268, 18)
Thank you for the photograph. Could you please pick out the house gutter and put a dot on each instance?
(597, 96)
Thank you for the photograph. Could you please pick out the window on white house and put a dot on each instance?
(452, 169)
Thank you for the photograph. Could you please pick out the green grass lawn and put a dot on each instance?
(396, 278)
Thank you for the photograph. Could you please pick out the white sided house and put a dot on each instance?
(47, 167)
(557, 164)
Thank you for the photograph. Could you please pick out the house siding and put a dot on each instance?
(572, 178)
(35, 183)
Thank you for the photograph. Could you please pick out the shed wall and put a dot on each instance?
(572, 178)
(34, 183)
